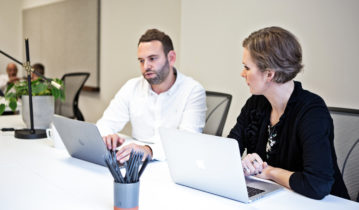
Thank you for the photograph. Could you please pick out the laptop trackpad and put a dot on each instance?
(258, 188)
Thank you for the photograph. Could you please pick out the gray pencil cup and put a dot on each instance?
(126, 196)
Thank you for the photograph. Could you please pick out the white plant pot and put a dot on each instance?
(42, 108)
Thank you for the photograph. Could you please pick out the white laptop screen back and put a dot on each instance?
(205, 162)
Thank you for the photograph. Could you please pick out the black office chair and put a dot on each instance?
(346, 143)
(73, 83)
(217, 111)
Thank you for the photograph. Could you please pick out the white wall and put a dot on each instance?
(212, 32)
(11, 41)
(122, 24)
(35, 3)
(207, 35)
(11, 32)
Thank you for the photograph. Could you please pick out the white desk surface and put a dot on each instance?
(35, 175)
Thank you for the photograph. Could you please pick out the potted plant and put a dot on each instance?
(44, 95)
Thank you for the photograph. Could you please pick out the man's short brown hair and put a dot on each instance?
(38, 67)
(155, 34)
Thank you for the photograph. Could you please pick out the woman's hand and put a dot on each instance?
(266, 172)
(253, 164)
(279, 175)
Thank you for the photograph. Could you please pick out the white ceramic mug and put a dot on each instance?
(53, 135)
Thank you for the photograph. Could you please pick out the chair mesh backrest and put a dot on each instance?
(73, 83)
(346, 143)
(217, 111)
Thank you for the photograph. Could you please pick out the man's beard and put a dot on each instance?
(161, 74)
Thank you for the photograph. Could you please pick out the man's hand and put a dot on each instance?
(124, 153)
(112, 141)
(13, 79)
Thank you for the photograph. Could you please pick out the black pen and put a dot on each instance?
(7, 129)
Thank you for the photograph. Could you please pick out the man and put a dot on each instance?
(161, 97)
(9, 77)
(39, 68)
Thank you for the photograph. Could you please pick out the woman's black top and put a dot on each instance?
(304, 141)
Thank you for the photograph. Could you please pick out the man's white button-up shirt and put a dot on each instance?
(183, 106)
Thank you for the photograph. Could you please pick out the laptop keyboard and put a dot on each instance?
(253, 191)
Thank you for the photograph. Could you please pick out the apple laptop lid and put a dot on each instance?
(212, 164)
(81, 139)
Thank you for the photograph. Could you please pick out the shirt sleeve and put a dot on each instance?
(3, 82)
(317, 177)
(194, 115)
(116, 114)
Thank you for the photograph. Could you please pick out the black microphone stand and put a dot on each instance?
(28, 133)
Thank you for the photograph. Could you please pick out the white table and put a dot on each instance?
(35, 175)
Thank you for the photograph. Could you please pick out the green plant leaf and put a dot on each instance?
(55, 92)
(63, 97)
(58, 93)
(21, 88)
(10, 95)
(9, 87)
(39, 87)
(2, 108)
(13, 104)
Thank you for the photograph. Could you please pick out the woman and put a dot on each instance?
(287, 131)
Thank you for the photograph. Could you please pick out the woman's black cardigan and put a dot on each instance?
(305, 142)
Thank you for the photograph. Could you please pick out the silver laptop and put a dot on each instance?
(82, 140)
(212, 164)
